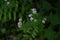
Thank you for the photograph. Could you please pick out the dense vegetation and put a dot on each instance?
(12, 10)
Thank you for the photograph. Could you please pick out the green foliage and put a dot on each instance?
(30, 30)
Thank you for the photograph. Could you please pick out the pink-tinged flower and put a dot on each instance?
(34, 11)
(19, 24)
(31, 18)
(30, 15)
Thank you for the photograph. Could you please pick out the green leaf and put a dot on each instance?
(3, 30)
(14, 16)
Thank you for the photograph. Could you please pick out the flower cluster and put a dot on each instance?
(30, 15)
(20, 22)
(31, 18)
(7, 2)
(34, 11)
(44, 20)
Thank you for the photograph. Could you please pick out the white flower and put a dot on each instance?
(8, 3)
(20, 19)
(43, 21)
(5, 0)
(35, 20)
(19, 24)
(34, 11)
(30, 15)
(31, 18)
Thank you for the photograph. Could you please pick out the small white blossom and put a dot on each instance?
(19, 24)
(8, 3)
(5, 0)
(30, 15)
(20, 19)
(35, 20)
(43, 21)
(34, 11)
(31, 18)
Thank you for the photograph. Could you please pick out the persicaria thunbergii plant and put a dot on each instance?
(29, 19)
